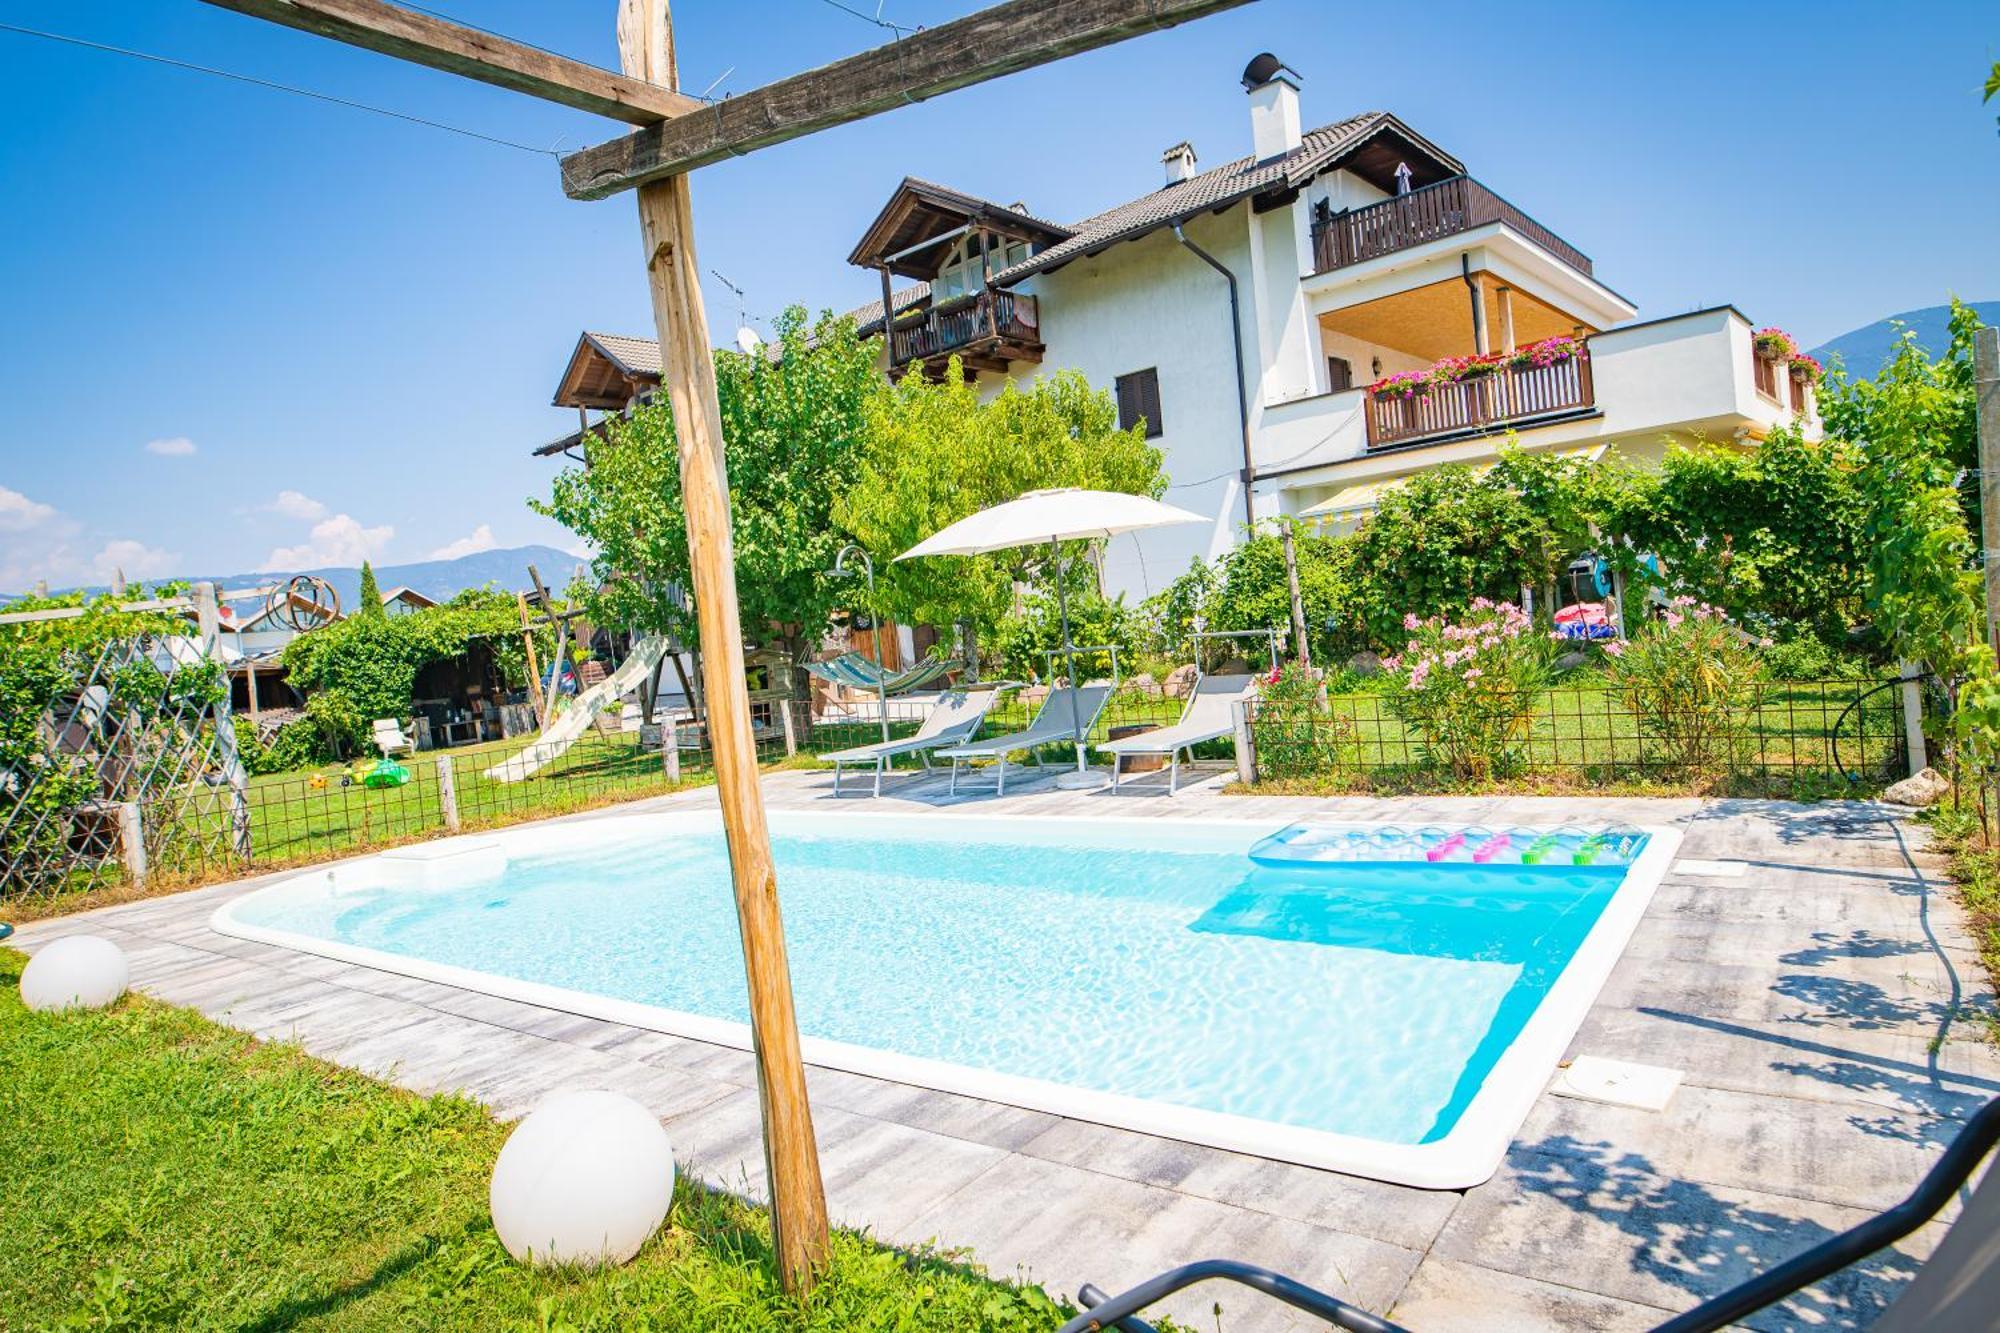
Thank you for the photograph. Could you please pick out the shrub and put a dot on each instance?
(1685, 676)
(1469, 688)
(1807, 658)
(1297, 733)
(1023, 640)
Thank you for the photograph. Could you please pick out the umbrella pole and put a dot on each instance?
(1069, 651)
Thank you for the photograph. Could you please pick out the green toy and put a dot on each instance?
(387, 773)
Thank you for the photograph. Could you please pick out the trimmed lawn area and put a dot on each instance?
(167, 1172)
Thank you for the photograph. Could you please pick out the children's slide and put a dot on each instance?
(559, 735)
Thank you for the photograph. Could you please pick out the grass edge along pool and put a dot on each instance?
(1464, 1156)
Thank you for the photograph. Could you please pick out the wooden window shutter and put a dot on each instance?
(1139, 400)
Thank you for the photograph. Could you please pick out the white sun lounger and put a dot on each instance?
(955, 719)
(1053, 723)
(1210, 715)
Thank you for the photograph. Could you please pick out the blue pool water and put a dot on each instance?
(1358, 997)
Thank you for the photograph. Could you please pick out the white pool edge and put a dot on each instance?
(1466, 1156)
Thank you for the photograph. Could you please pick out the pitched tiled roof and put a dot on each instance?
(1217, 188)
(638, 356)
(1214, 189)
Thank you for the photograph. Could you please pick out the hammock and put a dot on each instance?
(854, 672)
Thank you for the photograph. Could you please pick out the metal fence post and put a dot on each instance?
(670, 748)
(132, 840)
(791, 730)
(1246, 744)
(447, 793)
(1913, 718)
(208, 623)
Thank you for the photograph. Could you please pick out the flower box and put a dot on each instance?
(1774, 345)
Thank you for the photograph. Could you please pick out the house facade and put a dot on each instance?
(1244, 312)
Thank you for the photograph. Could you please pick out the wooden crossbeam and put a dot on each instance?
(376, 25)
(981, 46)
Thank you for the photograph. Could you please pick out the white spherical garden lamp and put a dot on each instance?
(77, 972)
(584, 1179)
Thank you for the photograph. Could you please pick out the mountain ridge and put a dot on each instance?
(439, 580)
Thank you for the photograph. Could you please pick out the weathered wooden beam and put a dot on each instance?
(996, 41)
(376, 25)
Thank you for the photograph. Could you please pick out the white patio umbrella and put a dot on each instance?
(1053, 516)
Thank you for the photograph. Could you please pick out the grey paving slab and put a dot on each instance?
(1823, 1009)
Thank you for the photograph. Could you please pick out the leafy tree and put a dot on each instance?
(1255, 595)
(935, 454)
(1915, 425)
(794, 426)
(1771, 535)
(1443, 538)
(365, 667)
(371, 593)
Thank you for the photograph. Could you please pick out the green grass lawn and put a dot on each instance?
(166, 1172)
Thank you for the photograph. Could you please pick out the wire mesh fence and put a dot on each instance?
(1808, 738)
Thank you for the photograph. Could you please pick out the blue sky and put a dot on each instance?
(244, 328)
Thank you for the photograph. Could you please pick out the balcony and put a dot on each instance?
(1508, 396)
(1427, 214)
(985, 331)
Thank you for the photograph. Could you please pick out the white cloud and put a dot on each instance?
(297, 504)
(134, 559)
(339, 540)
(176, 446)
(481, 539)
(20, 514)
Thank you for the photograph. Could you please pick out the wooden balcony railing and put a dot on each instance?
(1444, 209)
(1491, 400)
(992, 316)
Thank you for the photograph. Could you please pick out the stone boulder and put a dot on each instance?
(1571, 660)
(1180, 680)
(1919, 790)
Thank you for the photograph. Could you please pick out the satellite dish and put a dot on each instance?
(747, 339)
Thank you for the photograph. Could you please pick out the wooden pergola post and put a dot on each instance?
(666, 223)
(678, 134)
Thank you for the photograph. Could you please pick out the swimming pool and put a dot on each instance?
(1338, 995)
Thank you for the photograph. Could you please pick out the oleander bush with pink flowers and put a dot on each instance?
(1469, 687)
(1686, 674)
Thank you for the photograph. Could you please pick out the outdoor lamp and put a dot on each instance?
(79, 972)
(586, 1178)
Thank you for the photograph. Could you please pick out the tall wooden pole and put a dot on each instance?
(1303, 648)
(1986, 390)
(791, 1158)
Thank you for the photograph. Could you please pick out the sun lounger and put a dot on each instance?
(1210, 715)
(1955, 1289)
(954, 720)
(1053, 723)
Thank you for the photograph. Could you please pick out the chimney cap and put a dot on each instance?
(1262, 69)
(1181, 149)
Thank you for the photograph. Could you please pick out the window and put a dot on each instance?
(1339, 374)
(1139, 400)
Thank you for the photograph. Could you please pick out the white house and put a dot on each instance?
(1243, 312)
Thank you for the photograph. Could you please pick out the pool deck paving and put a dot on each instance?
(1826, 1007)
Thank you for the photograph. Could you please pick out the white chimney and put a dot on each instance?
(1180, 162)
(1274, 107)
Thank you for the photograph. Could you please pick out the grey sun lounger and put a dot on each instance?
(1210, 715)
(954, 720)
(1051, 725)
